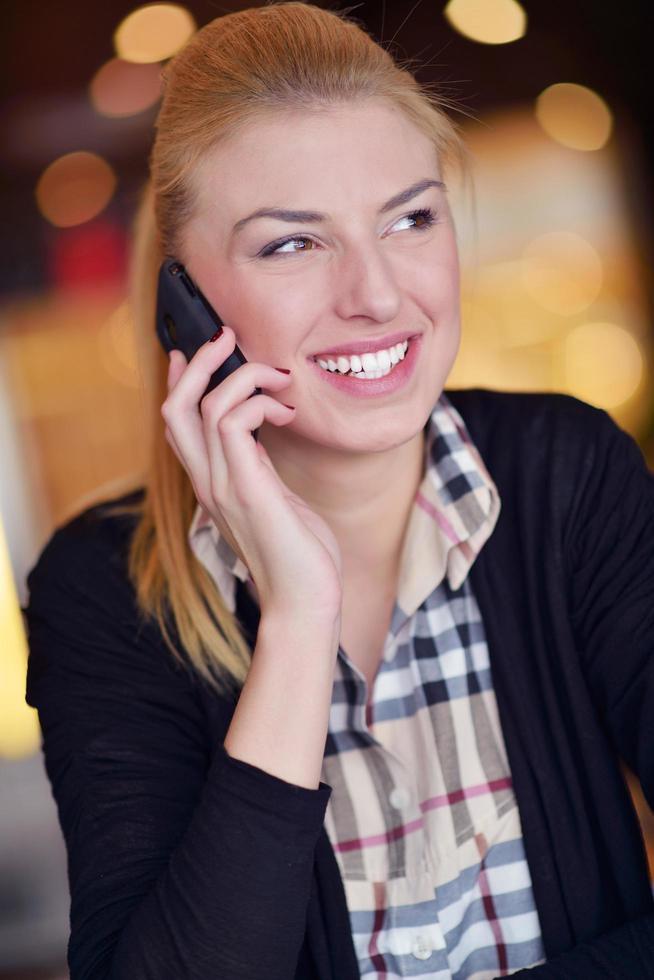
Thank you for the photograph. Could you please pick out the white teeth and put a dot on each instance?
(384, 359)
(367, 365)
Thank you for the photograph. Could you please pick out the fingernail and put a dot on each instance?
(216, 335)
(284, 370)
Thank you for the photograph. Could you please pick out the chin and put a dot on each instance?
(368, 437)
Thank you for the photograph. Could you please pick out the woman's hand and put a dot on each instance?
(290, 552)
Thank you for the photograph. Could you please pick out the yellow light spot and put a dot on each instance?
(487, 21)
(562, 272)
(603, 364)
(19, 727)
(153, 32)
(123, 88)
(574, 116)
(74, 189)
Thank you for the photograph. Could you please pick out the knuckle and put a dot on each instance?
(217, 505)
(241, 496)
(225, 424)
(209, 410)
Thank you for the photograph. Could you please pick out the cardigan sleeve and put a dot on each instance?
(612, 600)
(611, 540)
(183, 862)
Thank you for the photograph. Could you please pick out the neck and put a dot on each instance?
(366, 498)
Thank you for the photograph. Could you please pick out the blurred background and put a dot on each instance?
(555, 103)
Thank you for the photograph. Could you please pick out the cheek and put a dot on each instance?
(449, 257)
(437, 289)
(277, 316)
(257, 316)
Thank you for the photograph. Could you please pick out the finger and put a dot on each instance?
(186, 439)
(191, 438)
(234, 391)
(195, 433)
(190, 387)
(239, 385)
(177, 364)
(235, 462)
(188, 393)
(170, 439)
(200, 495)
(184, 430)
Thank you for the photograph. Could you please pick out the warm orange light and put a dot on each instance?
(574, 116)
(123, 88)
(153, 32)
(603, 364)
(487, 21)
(74, 189)
(562, 272)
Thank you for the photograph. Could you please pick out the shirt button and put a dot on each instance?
(421, 948)
(399, 798)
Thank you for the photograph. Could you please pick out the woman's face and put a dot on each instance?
(362, 272)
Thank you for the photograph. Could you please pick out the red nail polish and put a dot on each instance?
(284, 370)
(217, 334)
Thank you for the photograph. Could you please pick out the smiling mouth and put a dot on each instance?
(367, 366)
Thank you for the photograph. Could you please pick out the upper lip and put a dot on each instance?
(367, 346)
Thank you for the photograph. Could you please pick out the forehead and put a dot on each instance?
(350, 154)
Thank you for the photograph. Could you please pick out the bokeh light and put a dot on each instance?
(603, 364)
(153, 32)
(88, 256)
(19, 727)
(574, 116)
(117, 347)
(124, 88)
(75, 188)
(487, 21)
(562, 272)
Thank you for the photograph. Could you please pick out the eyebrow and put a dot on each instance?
(283, 214)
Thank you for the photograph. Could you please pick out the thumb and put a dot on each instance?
(176, 366)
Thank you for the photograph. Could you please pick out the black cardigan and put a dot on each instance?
(186, 863)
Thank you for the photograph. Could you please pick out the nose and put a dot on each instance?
(365, 285)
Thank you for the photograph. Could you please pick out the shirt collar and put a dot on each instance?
(455, 511)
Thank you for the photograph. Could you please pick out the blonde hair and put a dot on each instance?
(239, 67)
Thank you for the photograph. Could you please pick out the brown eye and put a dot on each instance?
(275, 248)
(423, 218)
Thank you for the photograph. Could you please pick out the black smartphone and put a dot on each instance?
(185, 320)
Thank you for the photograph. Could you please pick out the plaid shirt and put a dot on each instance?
(422, 816)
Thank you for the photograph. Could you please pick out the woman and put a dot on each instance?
(412, 629)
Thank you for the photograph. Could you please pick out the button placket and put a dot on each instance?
(421, 947)
(399, 798)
